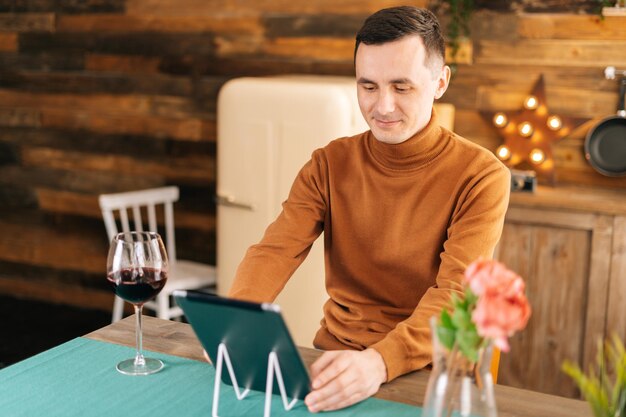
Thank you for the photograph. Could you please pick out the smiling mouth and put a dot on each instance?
(386, 123)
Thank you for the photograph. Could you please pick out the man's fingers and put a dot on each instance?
(322, 362)
(353, 399)
(337, 391)
(330, 365)
(342, 378)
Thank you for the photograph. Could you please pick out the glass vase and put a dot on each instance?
(458, 387)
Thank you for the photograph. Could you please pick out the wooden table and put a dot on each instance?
(178, 339)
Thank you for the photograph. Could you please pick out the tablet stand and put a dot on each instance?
(273, 366)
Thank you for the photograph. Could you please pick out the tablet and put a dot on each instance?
(250, 332)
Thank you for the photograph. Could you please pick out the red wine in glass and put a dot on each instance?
(137, 285)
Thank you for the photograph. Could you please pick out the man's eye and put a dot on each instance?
(401, 89)
(368, 87)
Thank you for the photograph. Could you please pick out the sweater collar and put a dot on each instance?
(414, 152)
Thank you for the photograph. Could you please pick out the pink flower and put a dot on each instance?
(502, 307)
(497, 316)
(492, 277)
(495, 304)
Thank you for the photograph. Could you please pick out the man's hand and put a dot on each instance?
(345, 377)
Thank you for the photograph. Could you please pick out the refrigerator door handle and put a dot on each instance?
(230, 201)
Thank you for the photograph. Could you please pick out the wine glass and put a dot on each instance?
(137, 269)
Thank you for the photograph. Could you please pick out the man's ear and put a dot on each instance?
(443, 81)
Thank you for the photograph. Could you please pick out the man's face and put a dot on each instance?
(396, 87)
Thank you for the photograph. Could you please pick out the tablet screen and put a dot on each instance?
(250, 332)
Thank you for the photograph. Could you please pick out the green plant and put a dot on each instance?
(460, 12)
(602, 4)
(604, 387)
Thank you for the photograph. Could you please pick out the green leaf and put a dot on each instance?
(446, 330)
(469, 342)
(461, 319)
(446, 336)
(470, 353)
(470, 297)
(446, 321)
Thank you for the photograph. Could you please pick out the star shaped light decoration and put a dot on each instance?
(530, 133)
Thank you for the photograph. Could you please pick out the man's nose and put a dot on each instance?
(385, 103)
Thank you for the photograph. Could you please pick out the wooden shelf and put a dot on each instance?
(614, 11)
(600, 201)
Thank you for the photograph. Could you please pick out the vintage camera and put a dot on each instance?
(523, 180)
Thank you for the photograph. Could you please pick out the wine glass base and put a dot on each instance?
(151, 366)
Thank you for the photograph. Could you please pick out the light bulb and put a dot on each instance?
(503, 152)
(525, 129)
(531, 103)
(554, 122)
(537, 156)
(500, 120)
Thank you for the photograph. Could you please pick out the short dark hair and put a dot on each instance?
(393, 23)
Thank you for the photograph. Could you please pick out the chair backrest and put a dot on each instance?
(136, 200)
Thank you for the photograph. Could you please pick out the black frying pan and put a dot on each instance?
(605, 145)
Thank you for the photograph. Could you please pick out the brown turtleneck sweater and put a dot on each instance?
(401, 223)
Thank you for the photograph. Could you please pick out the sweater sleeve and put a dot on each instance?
(474, 231)
(268, 265)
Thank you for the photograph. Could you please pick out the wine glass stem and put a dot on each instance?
(139, 359)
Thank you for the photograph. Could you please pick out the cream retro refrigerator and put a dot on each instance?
(267, 129)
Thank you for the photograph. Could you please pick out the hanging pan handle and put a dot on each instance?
(621, 110)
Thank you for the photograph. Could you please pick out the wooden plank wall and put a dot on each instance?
(101, 96)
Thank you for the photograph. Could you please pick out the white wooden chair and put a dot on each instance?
(182, 274)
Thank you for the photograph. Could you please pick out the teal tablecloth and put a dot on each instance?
(79, 378)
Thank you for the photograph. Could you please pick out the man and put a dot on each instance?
(404, 208)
